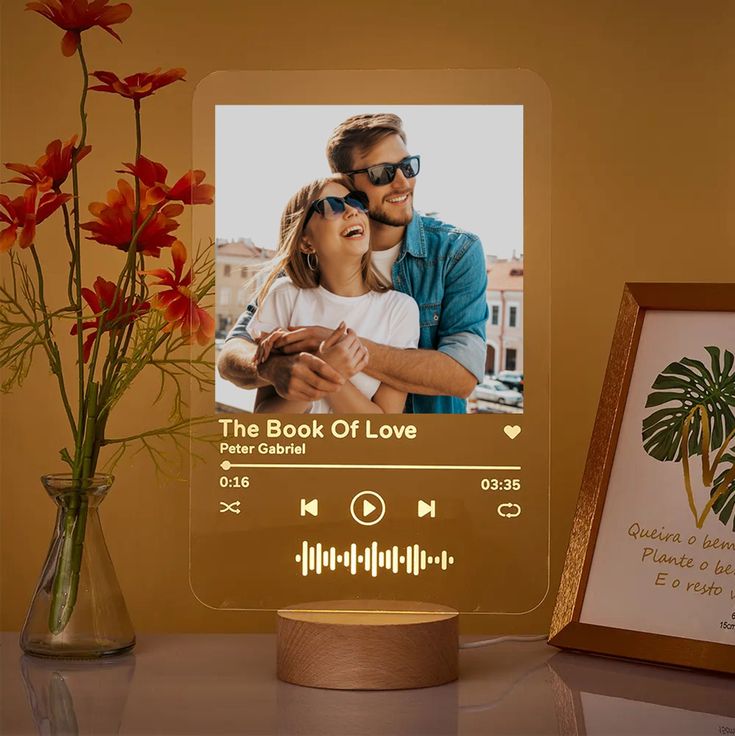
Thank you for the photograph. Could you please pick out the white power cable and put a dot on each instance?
(498, 640)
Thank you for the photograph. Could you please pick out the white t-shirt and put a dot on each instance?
(383, 260)
(388, 317)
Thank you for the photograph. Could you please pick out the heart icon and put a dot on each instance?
(512, 430)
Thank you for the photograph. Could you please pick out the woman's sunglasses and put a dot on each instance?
(381, 174)
(331, 207)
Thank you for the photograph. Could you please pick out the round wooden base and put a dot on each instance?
(368, 645)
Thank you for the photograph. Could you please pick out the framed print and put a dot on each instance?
(650, 569)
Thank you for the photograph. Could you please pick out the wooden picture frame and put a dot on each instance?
(589, 620)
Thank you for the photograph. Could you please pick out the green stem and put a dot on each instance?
(90, 431)
(138, 132)
(70, 242)
(125, 273)
(112, 364)
(52, 347)
(64, 592)
(66, 577)
(119, 344)
(15, 278)
(129, 329)
(77, 264)
(170, 430)
(130, 263)
(106, 402)
(101, 426)
(41, 294)
(82, 102)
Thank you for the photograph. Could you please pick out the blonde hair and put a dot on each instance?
(290, 259)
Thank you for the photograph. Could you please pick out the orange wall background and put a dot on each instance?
(643, 181)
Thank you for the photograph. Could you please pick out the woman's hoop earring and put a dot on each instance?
(313, 265)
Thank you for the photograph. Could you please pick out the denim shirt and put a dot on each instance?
(443, 269)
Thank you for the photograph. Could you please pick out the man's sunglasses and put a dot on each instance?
(331, 207)
(381, 174)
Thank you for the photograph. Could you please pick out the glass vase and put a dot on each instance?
(78, 610)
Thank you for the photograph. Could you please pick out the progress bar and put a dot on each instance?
(226, 465)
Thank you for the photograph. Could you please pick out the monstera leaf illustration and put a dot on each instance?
(680, 387)
(724, 506)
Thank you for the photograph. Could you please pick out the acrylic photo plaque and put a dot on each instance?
(447, 502)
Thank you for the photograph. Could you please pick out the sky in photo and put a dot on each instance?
(471, 165)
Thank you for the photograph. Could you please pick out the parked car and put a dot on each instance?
(492, 390)
(512, 379)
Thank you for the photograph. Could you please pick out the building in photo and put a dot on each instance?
(505, 320)
(239, 262)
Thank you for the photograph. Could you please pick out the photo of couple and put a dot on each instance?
(367, 305)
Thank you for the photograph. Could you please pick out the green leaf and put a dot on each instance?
(679, 388)
(725, 504)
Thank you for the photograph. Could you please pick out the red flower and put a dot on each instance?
(114, 223)
(137, 86)
(57, 160)
(120, 312)
(31, 176)
(75, 16)
(177, 302)
(188, 189)
(22, 213)
(52, 169)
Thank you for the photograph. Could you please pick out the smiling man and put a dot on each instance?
(440, 266)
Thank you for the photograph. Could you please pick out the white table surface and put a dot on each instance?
(226, 684)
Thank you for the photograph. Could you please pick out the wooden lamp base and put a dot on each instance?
(368, 645)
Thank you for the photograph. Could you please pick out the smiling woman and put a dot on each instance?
(324, 252)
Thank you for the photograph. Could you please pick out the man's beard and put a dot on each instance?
(381, 216)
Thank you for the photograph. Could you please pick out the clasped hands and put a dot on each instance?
(315, 360)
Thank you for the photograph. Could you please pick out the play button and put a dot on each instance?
(367, 508)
